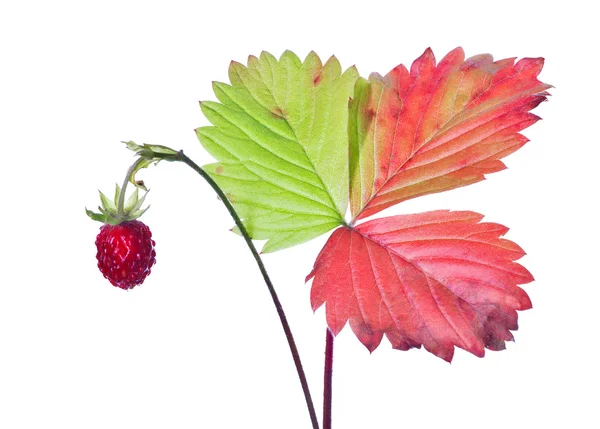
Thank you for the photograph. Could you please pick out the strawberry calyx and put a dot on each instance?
(116, 212)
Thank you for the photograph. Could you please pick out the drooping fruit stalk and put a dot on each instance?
(149, 154)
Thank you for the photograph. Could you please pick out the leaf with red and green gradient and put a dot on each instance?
(437, 127)
(438, 279)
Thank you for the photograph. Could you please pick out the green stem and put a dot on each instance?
(284, 323)
(131, 170)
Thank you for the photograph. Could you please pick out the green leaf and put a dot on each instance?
(280, 135)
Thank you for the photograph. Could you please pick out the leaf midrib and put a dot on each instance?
(427, 276)
(297, 140)
(424, 272)
(441, 129)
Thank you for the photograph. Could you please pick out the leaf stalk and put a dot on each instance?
(328, 380)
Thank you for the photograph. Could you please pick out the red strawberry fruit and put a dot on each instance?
(125, 253)
(125, 249)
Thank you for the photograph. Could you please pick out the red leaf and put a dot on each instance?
(438, 279)
(437, 127)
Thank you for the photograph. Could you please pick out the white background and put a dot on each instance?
(198, 345)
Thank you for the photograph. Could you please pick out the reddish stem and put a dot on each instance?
(284, 323)
(328, 380)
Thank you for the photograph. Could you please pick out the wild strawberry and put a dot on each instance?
(125, 253)
(125, 249)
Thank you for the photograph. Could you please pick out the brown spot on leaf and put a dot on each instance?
(317, 79)
(277, 113)
(394, 112)
(219, 169)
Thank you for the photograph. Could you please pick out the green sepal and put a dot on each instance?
(96, 216)
(133, 198)
(109, 212)
(132, 209)
(117, 192)
(108, 204)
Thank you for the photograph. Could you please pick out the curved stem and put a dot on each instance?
(131, 170)
(328, 380)
(284, 323)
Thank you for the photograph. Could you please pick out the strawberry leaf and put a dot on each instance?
(438, 279)
(437, 127)
(280, 136)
